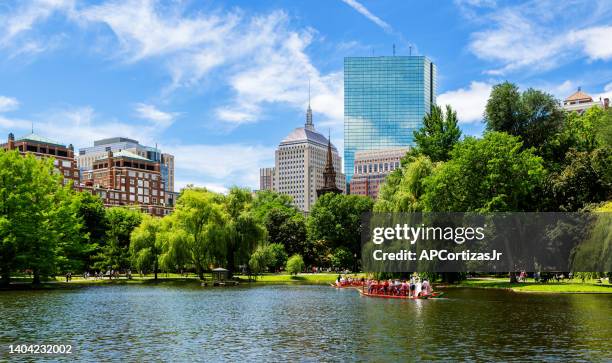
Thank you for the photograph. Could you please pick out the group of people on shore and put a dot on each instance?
(99, 275)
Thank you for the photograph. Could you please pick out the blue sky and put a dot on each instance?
(219, 84)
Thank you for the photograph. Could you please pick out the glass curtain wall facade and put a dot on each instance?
(385, 100)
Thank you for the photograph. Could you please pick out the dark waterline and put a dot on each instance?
(305, 323)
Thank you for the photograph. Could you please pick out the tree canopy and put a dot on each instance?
(533, 115)
(438, 135)
(494, 173)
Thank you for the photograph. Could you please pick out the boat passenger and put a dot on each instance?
(427, 290)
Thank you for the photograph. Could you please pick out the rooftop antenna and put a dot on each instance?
(410, 49)
(394, 49)
(32, 126)
(308, 91)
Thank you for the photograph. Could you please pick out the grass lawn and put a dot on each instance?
(308, 278)
(589, 286)
(273, 278)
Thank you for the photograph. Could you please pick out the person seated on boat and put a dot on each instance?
(426, 288)
(404, 288)
(380, 287)
(412, 289)
(386, 287)
(397, 286)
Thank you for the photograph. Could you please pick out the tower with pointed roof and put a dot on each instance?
(329, 174)
(309, 125)
(305, 163)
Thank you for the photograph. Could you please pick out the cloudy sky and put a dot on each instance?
(219, 84)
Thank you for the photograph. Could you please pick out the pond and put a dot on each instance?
(305, 323)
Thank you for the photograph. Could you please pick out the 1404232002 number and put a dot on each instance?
(40, 349)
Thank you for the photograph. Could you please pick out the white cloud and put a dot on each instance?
(8, 104)
(160, 118)
(261, 58)
(469, 102)
(606, 92)
(82, 125)
(596, 41)
(542, 35)
(16, 27)
(145, 28)
(180, 184)
(365, 12)
(203, 165)
(11, 124)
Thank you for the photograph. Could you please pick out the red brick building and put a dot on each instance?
(372, 167)
(125, 178)
(122, 179)
(42, 147)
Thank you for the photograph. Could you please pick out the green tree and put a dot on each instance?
(243, 230)
(336, 220)
(295, 264)
(278, 256)
(342, 258)
(585, 179)
(79, 256)
(266, 201)
(146, 244)
(261, 258)
(15, 178)
(403, 189)
(37, 218)
(287, 227)
(580, 168)
(438, 135)
(199, 230)
(579, 132)
(115, 253)
(174, 254)
(490, 174)
(533, 115)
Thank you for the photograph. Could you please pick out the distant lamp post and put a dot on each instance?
(355, 263)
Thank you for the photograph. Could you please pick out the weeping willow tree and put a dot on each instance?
(595, 252)
(146, 244)
(243, 230)
(197, 232)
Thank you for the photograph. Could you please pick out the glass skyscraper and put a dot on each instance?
(385, 100)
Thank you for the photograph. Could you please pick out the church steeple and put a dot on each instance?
(309, 125)
(329, 174)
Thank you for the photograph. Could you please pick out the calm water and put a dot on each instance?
(306, 323)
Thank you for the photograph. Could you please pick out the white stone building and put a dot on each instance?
(300, 162)
(580, 102)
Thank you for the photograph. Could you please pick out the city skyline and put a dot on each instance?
(195, 77)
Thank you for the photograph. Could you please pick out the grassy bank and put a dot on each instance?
(589, 286)
(314, 279)
(78, 281)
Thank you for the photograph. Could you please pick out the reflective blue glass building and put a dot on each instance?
(385, 99)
